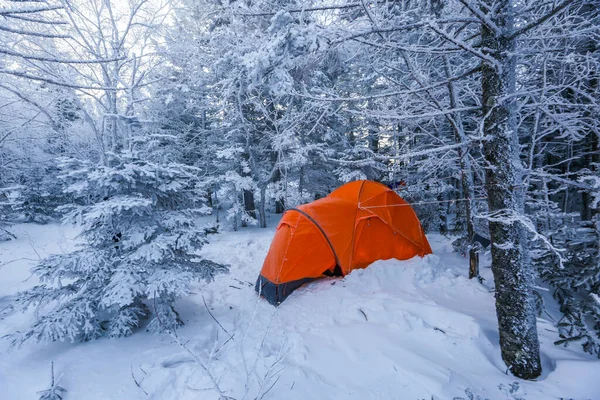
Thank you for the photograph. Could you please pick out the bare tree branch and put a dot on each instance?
(542, 19)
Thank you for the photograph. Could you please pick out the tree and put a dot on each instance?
(137, 220)
(56, 66)
(513, 280)
(465, 94)
(482, 112)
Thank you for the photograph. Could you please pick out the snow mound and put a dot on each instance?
(415, 329)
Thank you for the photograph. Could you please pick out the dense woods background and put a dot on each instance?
(133, 117)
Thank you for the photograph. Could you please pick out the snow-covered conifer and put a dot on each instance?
(139, 237)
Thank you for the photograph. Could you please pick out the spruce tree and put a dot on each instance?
(139, 238)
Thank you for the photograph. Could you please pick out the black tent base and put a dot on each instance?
(276, 293)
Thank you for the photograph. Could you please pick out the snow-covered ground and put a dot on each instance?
(416, 329)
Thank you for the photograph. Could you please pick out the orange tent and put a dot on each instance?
(357, 224)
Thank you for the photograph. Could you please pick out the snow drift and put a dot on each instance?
(416, 329)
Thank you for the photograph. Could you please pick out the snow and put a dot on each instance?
(416, 329)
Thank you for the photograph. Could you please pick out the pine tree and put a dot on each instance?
(574, 273)
(138, 225)
(8, 201)
(577, 286)
(40, 195)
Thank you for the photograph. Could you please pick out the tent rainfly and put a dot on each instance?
(357, 224)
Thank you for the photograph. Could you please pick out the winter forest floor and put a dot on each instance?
(416, 329)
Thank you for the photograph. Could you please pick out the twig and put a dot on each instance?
(33, 246)
(223, 345)
(173, 335)
(270, 375)
(541, 20)
(138, 384)
(15, 260)
(198, 390)
(270, 387)
(257, 357)
(243, 282)
(8, 233)
(54, 391)
(301, 10)
(363, 313)
(213, 317)
(550, 316)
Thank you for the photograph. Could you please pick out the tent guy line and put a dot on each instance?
(410, 204)
(424, 202)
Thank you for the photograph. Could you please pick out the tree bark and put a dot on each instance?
(263, 200)
(515, 306)
(590, 161)
(249, 206)
(473, 262)
(279, 206)
(466, 174)
(248, 195)
(589, 46)
(280, 201)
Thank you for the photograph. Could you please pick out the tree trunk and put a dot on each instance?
(236, 215)
(466, 174)
(587, 212)
(301, 181)
(247, 195)
(263, 200)
(249, 206)
(515, 306)
(280, 201)
(473, 262)
(279, 206)
(589, 46)
(217, 205)
(443, 212)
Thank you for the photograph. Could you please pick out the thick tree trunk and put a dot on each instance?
(515, 307)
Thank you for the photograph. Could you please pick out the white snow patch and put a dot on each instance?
(415, 329)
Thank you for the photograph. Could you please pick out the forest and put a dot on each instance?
(161, 130)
